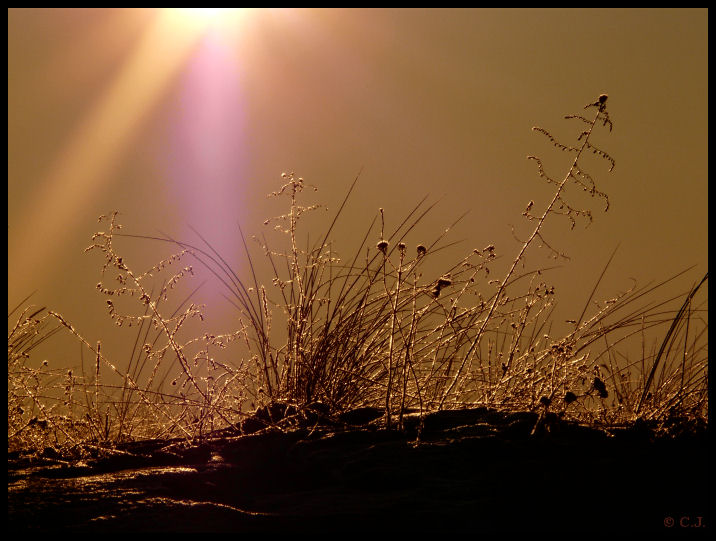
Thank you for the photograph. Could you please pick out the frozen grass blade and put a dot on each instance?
(667, 339)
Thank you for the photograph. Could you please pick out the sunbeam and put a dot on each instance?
(99, 140)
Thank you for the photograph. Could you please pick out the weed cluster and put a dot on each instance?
(377, 328)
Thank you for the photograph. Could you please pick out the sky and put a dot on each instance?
(181, 120)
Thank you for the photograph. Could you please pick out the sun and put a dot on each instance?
(204, 13)
(203, 18)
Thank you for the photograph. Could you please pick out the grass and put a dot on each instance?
(378, 328)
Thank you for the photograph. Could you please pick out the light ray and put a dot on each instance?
(206, 157)
(95, 147)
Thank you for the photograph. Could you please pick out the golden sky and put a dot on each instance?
(180, 119)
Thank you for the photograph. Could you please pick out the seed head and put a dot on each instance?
(422, 250)
(383, 246)
(444, 281)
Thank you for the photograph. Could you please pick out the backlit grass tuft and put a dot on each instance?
(329, 333)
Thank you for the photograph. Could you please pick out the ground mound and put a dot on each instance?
(469, 471)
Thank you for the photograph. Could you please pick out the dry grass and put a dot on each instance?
(377, 328)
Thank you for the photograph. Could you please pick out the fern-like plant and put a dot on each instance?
(558, 205)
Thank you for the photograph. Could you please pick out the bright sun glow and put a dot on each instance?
(208, 13)
(204, 18)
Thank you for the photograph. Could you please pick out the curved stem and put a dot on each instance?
(501, 289)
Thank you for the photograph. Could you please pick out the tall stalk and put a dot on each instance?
(574, 173)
